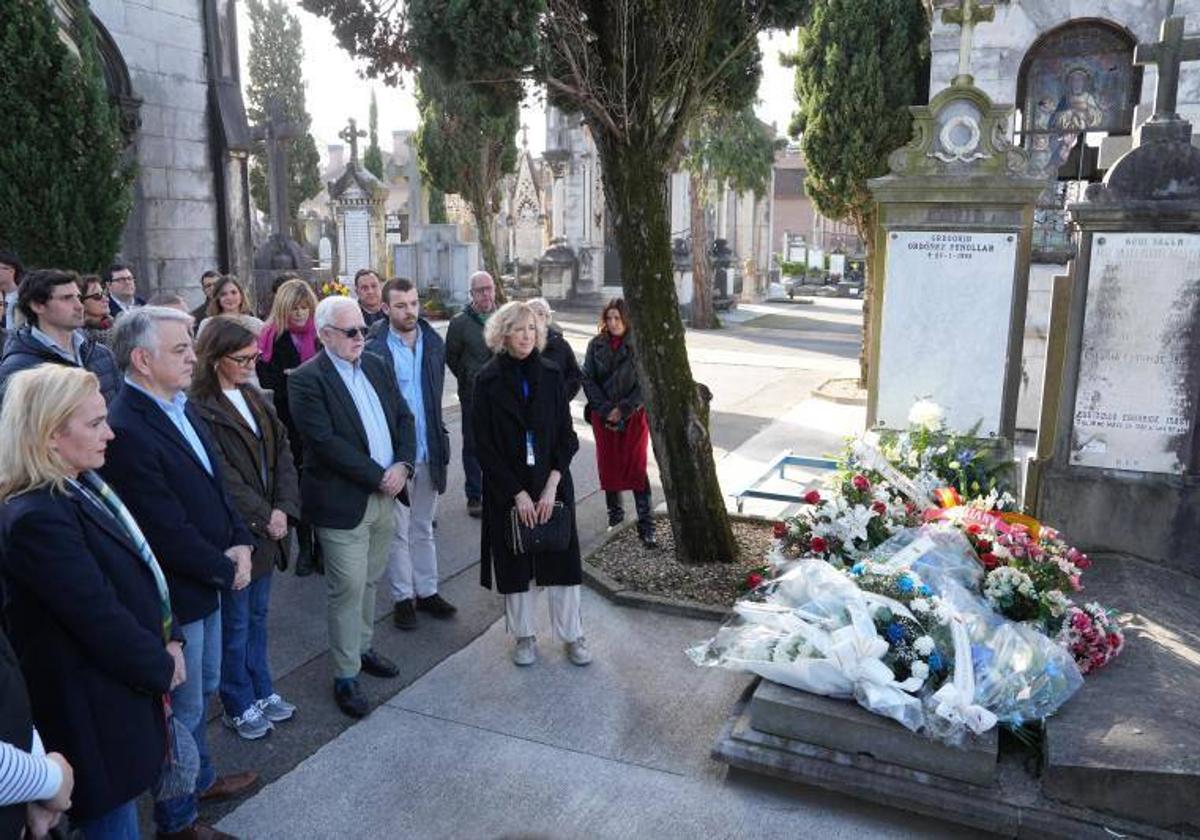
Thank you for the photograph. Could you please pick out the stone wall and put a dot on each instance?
(171, 236)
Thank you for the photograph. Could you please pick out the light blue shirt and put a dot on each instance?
(370, 410)
(77, 340)
(10, 308)
(408, 376)
(174, 411)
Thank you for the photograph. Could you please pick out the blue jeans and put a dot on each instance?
(472, 472)
(202, 658)
(245, 675)
(121, 823)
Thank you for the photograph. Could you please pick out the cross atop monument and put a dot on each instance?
(1171, 51)
(277, 132)
(968, 13)
(350, 134)
(524, 134)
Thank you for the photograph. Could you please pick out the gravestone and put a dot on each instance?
(437, 258)
(953, 235)
(357, 200)
(279, 252)
(1125, 470)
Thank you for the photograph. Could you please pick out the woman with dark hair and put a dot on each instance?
(229, 298)
(288, 340)
(618, 417)
(97, 322)
(256, 462)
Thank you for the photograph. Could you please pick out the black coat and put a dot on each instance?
(185, 513)
(16, 724)
(259, 473)
(501, 422)
(272, 376)
(85, 620)
(339, 475)
(433, 380)
(22, 351)
(466, 351)
(558, 351)
(611, 379)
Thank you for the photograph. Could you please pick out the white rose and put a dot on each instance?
(927, 415)
(923, 645)
(920, 670)
(919, 605)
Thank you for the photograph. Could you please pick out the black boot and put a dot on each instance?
(616, 511)
(308, 559)
(645, 518)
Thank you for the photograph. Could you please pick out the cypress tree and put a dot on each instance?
(373, 156)
(65, 188)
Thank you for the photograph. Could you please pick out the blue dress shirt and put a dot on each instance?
(408, 365)
(174, 411)
(370, 410)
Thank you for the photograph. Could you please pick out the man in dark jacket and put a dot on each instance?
(166, 469)
(359, 448)
(122, 290)
(466, 354)
(416, 354)
(53, 309)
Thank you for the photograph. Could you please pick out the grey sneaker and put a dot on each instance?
(276, 709)
(525, 652)
(578, 653)
(249, 725)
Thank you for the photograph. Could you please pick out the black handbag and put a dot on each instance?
(553, 535)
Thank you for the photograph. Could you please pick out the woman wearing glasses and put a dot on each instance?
(257, 464)
(97, 322)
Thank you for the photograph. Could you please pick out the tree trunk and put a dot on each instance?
(634, 177)
(866, 231)
(487, 247)
(703, 316)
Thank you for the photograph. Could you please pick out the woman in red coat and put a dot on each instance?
(618, 418)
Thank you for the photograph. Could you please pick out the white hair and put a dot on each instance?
(139, 328)
(329, 307)
(478, 274)
(505, 320)
(541, 305)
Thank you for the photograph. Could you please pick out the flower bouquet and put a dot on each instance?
(331, 288)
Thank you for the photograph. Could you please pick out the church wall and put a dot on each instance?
(172, 233)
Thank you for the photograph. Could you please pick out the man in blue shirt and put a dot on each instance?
(417, 355)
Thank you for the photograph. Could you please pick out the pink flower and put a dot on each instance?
(819, 545)
(879, 507)
(1075, 584)
(812, 497)
(860, 482)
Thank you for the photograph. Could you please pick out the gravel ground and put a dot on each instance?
(657, 572)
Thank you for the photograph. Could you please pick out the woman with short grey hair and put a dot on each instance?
(557, 350)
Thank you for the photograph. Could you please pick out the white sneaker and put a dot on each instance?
(525, 652)
(250, 724)
(578, 653)
(276, 709)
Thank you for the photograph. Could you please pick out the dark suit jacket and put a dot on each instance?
(186, 513)
(85, 620)
(114, 308)
(339, 475)
(433, 380)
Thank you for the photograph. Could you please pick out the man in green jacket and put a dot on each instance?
(466, 354)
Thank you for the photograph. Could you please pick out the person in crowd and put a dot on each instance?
(369, 291)
(618, 418)
(557, 350)
(53, 310)
(11, 272)
(169, 300)
(97, 322)
(3, 330)
(252, 446)
(359, 446)
(167, 468)
(525, 441)
(122, 290)
(87, 602)
(229, 298)
(35, 786)
(466, 354)
(416, 354)
(208, 283)
(288, 340)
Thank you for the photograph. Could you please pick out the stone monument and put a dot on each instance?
(357, 200)
(952, 237)
(279, 252)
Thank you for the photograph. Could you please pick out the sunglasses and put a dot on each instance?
(350, 332)
(244, 361)
(96, 296)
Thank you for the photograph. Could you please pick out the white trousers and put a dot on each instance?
(412, 557)
(519, 609)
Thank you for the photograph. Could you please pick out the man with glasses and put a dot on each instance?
(359, 447)
(208, 282)
(52, 307)
(10, 278)
(466, 354)
(122, 290)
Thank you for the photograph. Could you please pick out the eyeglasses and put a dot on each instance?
(244, 361)
(351, 332)
(96, 296)
(121, 278)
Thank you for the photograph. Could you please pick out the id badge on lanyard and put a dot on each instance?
(530, 460)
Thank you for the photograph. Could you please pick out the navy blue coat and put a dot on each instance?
(185, 513)
(22, 351)
(433, 379)
(84, 618)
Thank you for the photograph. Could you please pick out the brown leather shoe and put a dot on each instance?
(235, 784)
(196, 831)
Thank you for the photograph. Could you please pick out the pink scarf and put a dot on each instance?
(305, 339)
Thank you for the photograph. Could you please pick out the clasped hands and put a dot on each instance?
(394, 479)
(539, 513)
(41, 817)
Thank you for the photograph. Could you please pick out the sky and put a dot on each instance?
(335, 92)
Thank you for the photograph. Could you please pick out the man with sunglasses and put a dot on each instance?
(52, 307)
(362, 438)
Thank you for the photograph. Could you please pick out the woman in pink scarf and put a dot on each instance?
(288, 340)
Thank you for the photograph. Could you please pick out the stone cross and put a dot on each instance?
(350, 134)
(968, 13)
(277, 132)
(1171, 51)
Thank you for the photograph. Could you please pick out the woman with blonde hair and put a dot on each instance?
(229, 298)
(288, 340)
(88, 608)
(525, 441)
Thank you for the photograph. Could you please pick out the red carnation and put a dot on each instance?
(983, 546)
(879, 507)
(754, 580)
(819, 545)
(860, 482)
(780, 530)
(989, 561)
(812, 497)
(974, 528)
